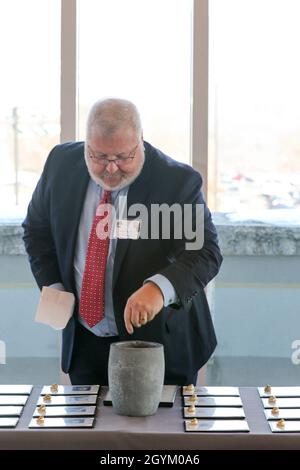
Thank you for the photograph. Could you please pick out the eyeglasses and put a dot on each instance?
(119, 160)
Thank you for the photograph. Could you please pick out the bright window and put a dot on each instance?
(254, 105)
(140, 50)
(29, 96)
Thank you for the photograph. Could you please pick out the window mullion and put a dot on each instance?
(199, 108)
(68, 90)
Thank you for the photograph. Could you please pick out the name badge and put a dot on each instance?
(128, 229)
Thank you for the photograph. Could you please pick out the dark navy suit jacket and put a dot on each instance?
(50, 232)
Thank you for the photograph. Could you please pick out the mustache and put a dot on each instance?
(116, 175)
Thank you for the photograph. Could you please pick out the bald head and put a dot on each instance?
(111, 115)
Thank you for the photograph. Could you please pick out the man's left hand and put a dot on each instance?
(142, 306)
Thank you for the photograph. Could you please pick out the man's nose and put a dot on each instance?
(112, 167)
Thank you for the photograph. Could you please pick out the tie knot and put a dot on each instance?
(106, 198)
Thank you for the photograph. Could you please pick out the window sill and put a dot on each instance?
(238, 238)
(256, 237)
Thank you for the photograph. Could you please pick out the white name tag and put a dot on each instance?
(128, 229)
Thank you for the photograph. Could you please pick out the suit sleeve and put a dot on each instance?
(37, 237)
(190, 270)
(168, 291)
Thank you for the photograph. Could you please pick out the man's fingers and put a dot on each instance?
(135, 316)
(143, 317)
(127, 319)
(142, 306)
(151, 315)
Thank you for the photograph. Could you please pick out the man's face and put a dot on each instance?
(115, 161)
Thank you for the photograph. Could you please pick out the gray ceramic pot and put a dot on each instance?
(136, 372)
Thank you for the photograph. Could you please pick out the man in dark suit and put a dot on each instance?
(147, 288)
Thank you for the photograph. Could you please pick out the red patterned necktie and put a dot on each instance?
(91, 306)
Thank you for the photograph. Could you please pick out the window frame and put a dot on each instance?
(68, 77)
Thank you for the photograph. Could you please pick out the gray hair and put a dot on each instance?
(108, 115)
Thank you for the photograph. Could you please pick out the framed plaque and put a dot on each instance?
(212, 401)
(67, 400)
(280, 402)
(210, 425)
(286, 413)
(70, 389)
(8, 422)
(211, 391)
(81, 422)
(285, 392)
(287, 426)
(7, 400)
(213, 413)
(10, 410)
(62, 411)
(15, 389)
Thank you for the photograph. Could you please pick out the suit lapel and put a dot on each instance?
(137, 193)
(77, 190)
